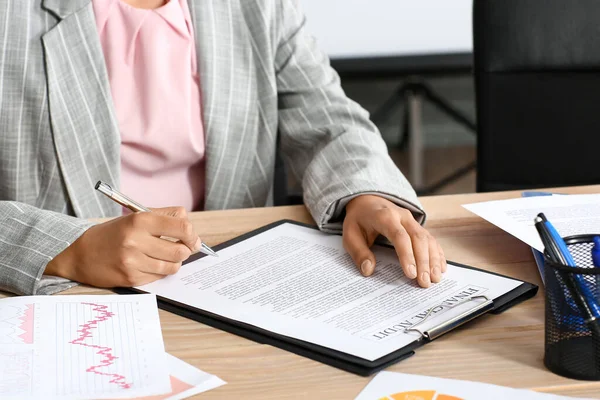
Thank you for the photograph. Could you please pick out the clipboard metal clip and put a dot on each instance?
(446, 326)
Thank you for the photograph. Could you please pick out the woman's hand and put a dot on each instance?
(128, 251)
(369, 216)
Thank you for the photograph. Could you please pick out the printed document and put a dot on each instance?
(81, 347)
(570, 215)
(299, 282)
(396, 386)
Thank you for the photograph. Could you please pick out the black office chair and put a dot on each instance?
(537, 77)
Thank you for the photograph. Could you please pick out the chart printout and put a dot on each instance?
(80, 347)
(396, 386)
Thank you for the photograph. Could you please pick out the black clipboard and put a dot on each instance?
(315, 352)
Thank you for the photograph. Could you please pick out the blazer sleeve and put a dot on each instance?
(29, 239)
(328, 141)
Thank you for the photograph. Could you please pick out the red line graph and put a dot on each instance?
(109, 358)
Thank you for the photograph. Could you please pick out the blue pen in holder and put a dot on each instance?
(572, 340)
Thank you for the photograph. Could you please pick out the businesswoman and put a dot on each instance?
(178, 103)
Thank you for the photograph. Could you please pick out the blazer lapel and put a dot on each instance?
(229, 101)
(84, 126)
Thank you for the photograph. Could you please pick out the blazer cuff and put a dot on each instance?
(33, 238)
(48, 284)
(53, 284)
(332, 219)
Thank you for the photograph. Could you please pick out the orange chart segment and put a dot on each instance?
(415, 395)
(178, 386)
(420, 395)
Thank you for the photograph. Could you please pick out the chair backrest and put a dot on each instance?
(537, 79)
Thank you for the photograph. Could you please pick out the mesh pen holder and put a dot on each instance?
(572, 349)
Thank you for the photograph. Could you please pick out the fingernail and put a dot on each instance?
(436, 271)
(365, 267)
(198, 245)
(412, 271)
(425, 278)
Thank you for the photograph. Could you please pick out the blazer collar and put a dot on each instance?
(64, 8)
(229, 95)
(84, 126)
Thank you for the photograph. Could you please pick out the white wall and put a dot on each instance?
(374, 28)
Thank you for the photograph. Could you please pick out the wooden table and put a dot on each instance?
(504, 349)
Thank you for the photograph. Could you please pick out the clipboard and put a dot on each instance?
(326, 355)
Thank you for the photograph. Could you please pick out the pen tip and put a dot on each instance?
(98, 184)
(207, 250)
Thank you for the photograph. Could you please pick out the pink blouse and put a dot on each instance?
(151, 61)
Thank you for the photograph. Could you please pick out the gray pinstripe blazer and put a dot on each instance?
(261, 74)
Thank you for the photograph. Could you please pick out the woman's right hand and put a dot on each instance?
(128, 251)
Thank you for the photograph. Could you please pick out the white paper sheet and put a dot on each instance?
(186, 381)
(396, 386)
(81, 347)
(300, 283)
(570, 215)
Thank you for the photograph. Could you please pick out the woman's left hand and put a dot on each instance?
(369, 216)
